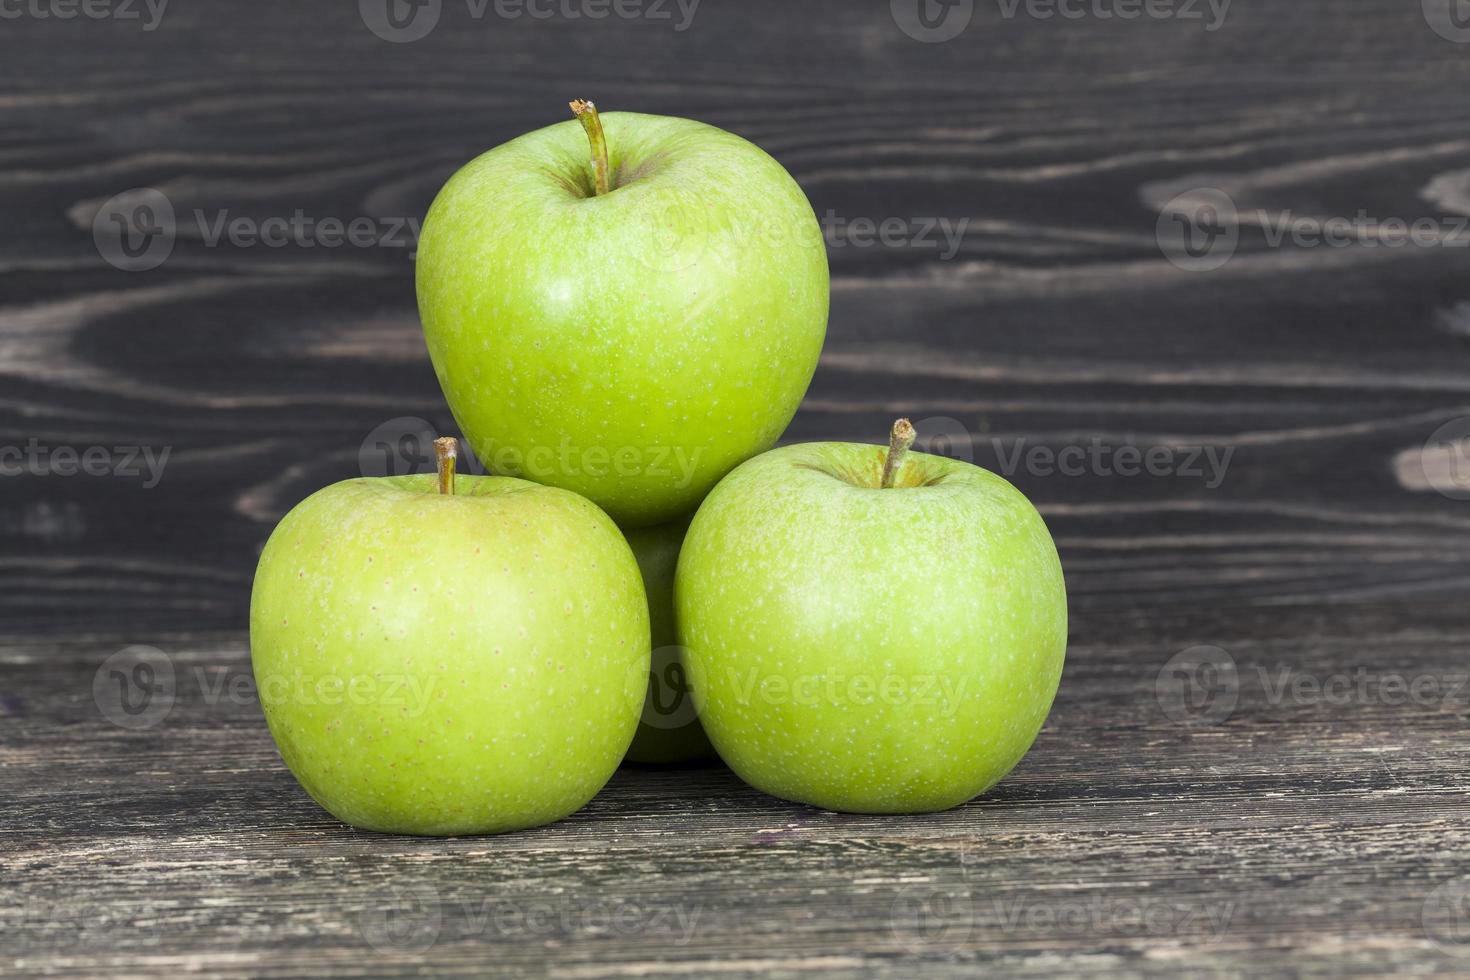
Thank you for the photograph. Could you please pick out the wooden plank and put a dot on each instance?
(1300, 833)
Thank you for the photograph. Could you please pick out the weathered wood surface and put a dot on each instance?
(1318, 827)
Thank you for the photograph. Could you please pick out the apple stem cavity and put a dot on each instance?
(899, 441)
(446, 450)
(592, 124)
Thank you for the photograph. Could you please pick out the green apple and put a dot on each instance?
(669, 730)
(870, 633)
(626, 308)
(461, 662)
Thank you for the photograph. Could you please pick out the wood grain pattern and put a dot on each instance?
(1301, 833)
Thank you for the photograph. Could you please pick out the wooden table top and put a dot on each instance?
(1241, 432)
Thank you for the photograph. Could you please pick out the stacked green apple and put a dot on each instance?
(624, 312)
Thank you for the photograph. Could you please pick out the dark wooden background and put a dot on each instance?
(1298, 833)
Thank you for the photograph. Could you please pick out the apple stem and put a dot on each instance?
(445, 451)
(592, 123)
(899, 441)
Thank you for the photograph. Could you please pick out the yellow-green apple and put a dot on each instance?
(669, 730)
(627, 308)
(870, 632)
(449, 657)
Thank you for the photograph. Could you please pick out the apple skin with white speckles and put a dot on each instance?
(668, 731)
(632, 346)
(870, 650)
(469, 663)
